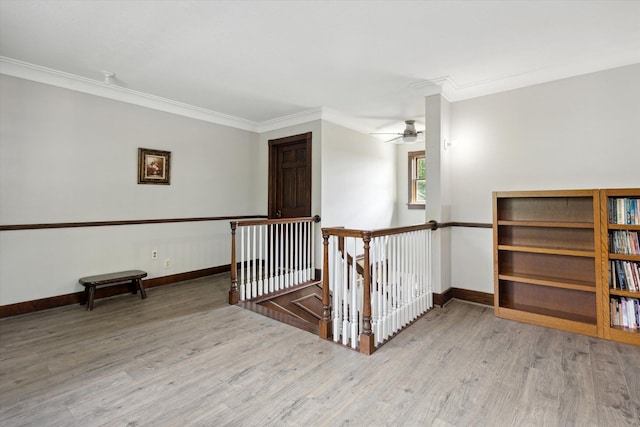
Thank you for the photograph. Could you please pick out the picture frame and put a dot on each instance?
(154, 166)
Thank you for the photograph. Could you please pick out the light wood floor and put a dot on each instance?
(184, 357)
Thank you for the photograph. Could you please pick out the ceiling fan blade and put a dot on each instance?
(384, 133)
(396, 140)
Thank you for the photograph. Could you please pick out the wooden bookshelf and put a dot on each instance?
(547, 259)
(610, 288)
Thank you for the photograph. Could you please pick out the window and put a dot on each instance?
(417, 180)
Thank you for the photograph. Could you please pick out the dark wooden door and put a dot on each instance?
(290, 176)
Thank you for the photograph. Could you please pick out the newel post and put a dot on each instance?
(366, 337)
(325, 322)
(234, 297)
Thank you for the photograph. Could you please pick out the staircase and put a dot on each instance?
(374, 282)
(299, 306)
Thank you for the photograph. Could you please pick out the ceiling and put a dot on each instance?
(255, 64)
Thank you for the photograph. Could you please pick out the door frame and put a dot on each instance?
(273, 164)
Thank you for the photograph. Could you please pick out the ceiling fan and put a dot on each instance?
(408, 136)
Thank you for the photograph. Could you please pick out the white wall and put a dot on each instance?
(358, 179)
(347, 167)
(438, 197)
(581, 132)
(72, 157)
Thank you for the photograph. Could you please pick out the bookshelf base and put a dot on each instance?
(520, 314)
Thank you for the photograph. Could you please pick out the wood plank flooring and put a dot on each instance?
(183, 357)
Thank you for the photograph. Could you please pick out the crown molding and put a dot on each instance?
(454, 91)
(290, 120)
(36, 73)
(24, 70)
(445, 86)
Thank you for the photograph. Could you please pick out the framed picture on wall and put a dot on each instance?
(154, 166)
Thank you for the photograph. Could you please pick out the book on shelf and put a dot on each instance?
(624, 275)
(624, 242)
(625, 312)
(624, 210)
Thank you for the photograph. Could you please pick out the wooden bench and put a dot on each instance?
(132, 276)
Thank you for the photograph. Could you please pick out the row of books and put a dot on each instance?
(624, 275)
(625, 312)
(624, 242)
(624, 210)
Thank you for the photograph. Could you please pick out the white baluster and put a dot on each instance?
(430, 270)
(294, 250)
(417, 272)
(289, 255)
(278, 273)
(304, 251)
(394, 285)
(254, 260)
(312, 261)
(300, 267)
(375, 288)
(354, 297)
(336, 287)
(405, 280)
(385, 288)
(346, 328)
(300, 252)
(259, 260)
(271, 256)
(248, 263)
(242, 261)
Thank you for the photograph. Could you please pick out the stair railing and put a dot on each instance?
(374, 283)
(270, 255)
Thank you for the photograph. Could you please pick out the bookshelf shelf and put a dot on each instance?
(544, 250)
(623, 293)
(633, 227)
(625, 257)
(551, 282)
(587, 225)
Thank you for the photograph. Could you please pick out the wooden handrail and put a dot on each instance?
(464, 224)
(122, 222)
(277, 221)
(431, 225)
(346, 232)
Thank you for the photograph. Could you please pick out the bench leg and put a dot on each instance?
(85, 298)
(92, 292)
(134, 286)
(139, 285)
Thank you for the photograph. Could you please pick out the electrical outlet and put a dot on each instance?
(154, 254)
(167, 263)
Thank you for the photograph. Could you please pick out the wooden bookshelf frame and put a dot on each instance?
(547, 259)
(616, 333)
(551, 260)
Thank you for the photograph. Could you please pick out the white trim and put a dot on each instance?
(24, 70)
(453, 91)
(27, 71)
(290, 120)
(321, 113)
(444, 85)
